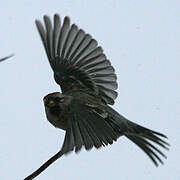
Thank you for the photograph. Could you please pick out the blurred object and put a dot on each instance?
(3, 59)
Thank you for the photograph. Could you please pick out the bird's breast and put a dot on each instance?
(57, 118)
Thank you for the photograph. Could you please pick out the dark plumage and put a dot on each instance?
(88, 84)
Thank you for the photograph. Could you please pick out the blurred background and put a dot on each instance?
(142, 41)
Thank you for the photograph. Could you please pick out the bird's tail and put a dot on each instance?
(143, 137)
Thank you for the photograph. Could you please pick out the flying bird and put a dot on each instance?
(3, 59)
(88, 84)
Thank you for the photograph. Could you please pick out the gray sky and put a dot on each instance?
(142, 40)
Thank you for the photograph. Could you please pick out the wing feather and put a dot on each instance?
(89, 128)
(62, 36)
(76, 59)
(56, 32)
(49, 36)
(77, 135)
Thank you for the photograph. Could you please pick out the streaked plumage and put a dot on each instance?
(88, 84)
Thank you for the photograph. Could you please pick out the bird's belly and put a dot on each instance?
(59, 122)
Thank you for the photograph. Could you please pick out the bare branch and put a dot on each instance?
(44, 166)
(6, 57)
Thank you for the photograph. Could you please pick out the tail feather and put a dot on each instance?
(157, 140)
(142, 137)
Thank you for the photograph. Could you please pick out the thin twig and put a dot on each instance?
(2, 59)
(44, 166)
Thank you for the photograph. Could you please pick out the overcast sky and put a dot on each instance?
(141, 39)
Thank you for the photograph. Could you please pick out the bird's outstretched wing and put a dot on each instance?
(3, 59)
(88, 127)
(76, 59)
(98, 126)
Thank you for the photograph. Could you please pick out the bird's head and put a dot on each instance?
(57, 108)
(53, 100)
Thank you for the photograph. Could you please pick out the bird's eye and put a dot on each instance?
(51, 103)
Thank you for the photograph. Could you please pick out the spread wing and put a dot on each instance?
(76, 59)
(88, 127)
(2, 59)
(95, 126)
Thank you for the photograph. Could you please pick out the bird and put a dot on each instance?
(88, 83)
(4, 58)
